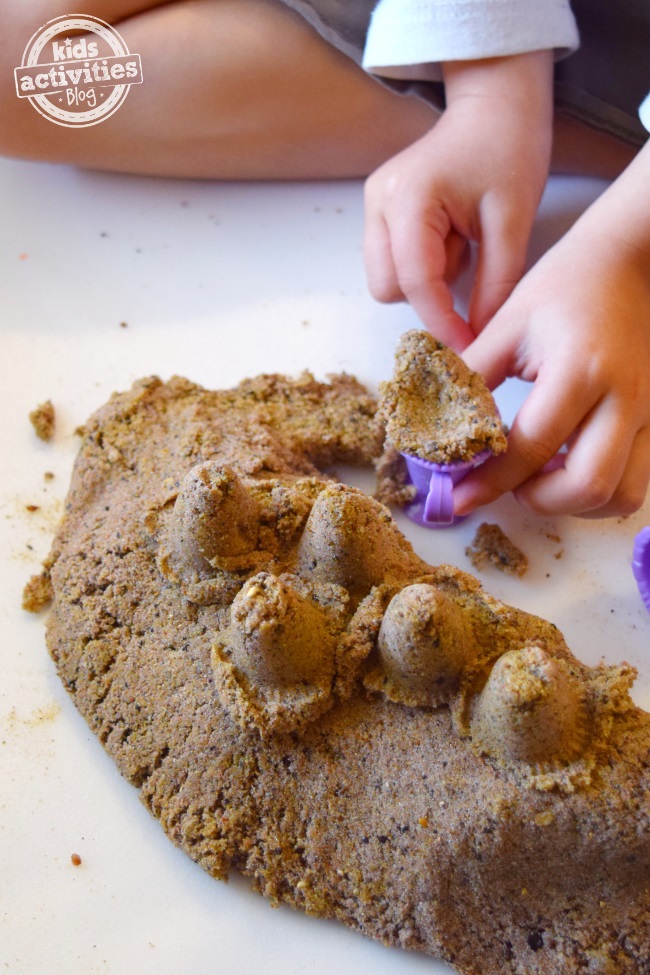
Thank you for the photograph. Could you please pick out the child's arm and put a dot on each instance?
(478, 175)
(578, 324)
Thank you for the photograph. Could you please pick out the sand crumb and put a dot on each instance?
(42, 419)
(491, 546)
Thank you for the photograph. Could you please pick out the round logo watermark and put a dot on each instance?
(76, 71)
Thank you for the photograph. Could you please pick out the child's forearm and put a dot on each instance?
(623, 212)
(521, 83)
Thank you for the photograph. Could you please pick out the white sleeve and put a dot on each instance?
(644, 112)
(410, 38)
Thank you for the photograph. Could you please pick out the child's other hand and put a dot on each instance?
(478, 175)
(578, 324)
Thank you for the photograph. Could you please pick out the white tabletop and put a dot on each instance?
(214, 282)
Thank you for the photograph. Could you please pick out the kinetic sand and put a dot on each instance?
(299, 697)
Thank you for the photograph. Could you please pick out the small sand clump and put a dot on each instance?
(491, 546)
(43, 420)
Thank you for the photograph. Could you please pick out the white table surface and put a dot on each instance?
(215, 282)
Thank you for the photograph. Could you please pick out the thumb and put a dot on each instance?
(434, 307)
(422, 264)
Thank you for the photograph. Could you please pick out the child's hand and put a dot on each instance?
(478, 175)
(578, 325)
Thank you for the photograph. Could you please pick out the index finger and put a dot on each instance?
(549, 417)
(420, 260)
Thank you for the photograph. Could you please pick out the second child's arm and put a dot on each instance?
(578, 325)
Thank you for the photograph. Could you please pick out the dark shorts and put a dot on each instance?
(602, 84)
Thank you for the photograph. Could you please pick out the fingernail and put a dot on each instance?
(469, 495)
(464, 503)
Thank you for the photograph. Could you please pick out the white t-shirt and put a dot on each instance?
(644, 112)
(410, 38)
